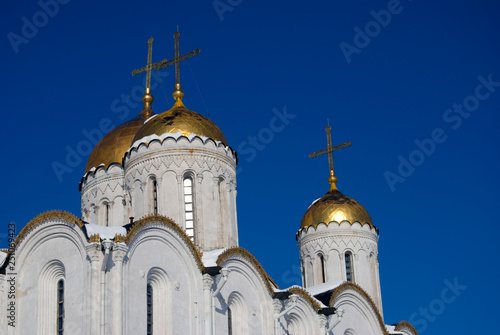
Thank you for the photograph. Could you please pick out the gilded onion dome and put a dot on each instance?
(334, 206)
(113, 145)
(180, 119)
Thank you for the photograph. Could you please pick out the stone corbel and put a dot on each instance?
(119, 252)
(207, 282)
(199, 176)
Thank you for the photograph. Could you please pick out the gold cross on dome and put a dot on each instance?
(332, 179)
(177, 59)
(148, 67)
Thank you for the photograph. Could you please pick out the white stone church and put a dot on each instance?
(156, 248)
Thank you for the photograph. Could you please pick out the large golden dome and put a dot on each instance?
(113, 146)
(180, 119)
(334, 206)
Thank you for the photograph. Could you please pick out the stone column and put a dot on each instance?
(277, 307)
(219, 229)
(119, 252)
(111, 216)
(180, 186)
(207, 297)
(198, 212)
(159, 198)
(94, 255)
(322, 323)
(233, 216)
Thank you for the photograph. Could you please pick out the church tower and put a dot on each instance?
(156, 251)
(176, 164)
(337, 239)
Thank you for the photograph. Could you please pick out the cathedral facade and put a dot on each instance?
(156, 249)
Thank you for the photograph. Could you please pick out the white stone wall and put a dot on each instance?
(332, 242)
(211, 166)
(158, 256)
(112, 297)
(358, 318)
(53, 250)
(247, 295)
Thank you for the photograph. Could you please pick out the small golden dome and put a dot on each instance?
(113, 146)
(180, 119)
(334, 206)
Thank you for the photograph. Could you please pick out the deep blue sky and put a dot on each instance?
(439, 224)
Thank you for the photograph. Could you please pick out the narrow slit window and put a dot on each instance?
(149, 309)
(60, 307)
(322, 264)
(188, 207)
(155, 197)
(107, 214)
(348, 266)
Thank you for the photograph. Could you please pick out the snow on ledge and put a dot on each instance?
(209, 258)
(94, 168)
(105, 233)
(322, 305)
(3, 257)
(392, 331)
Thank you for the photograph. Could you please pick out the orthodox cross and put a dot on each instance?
(164, 63)
(149, 66)
(330, 149)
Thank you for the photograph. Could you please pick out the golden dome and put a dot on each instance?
(181, 119)
(113, 146)
(334, 206)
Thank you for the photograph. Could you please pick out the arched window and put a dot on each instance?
(188, 207)
(158, 303)
(50, 302)
(229, 322)
(155, 197)
(349, 331)
(238, 313)
(322, 265)
(149, 292)
(60, 307)
(348, 266)
(107, 213)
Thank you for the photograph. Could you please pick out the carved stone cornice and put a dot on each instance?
(93, 252)
(119, 251)
(207, 282)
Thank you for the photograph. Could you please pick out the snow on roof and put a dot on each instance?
(315, 201)
(94, 168)
(105, 233)
(392, 331)
(176, 136)
(321, 288)
(150, 118)
(322, 305)
(209, 258)
(3, 257)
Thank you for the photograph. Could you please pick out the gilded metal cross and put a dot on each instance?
(164, 63)
(149, 66)
(330, 149)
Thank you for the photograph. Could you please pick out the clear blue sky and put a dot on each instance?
(385, 85)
